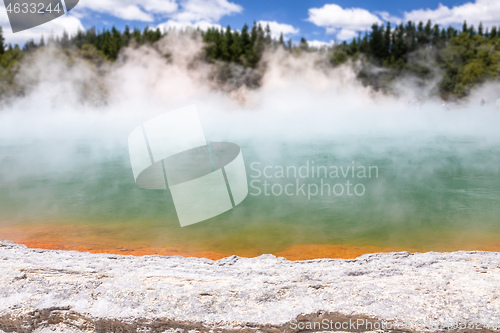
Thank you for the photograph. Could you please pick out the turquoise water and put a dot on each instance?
(431, 193)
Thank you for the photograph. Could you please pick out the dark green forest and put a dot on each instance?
(461, 58)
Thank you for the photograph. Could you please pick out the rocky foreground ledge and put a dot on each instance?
(68, 291)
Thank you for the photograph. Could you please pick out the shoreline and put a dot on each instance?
(85, 292)
(292, 253)
(70, 238)
(84, 239)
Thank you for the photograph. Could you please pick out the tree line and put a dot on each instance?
(464, 57)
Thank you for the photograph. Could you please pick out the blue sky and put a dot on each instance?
(319, 21)
(296, 12)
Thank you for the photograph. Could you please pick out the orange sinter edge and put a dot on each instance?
(61, 238)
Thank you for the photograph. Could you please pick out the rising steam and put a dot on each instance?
(289, 106)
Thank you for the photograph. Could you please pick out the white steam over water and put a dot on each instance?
(76, 116)
(300, 98)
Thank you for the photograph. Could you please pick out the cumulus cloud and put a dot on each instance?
(205, 10)
(320, 44)
(132, 10)
(485, 11)
(344, 22)
(184, 11)
(202, 25)
(386, 16)
(278, 28)
(345, 34)
(203, 14)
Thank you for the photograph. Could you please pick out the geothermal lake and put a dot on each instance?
(413, 190)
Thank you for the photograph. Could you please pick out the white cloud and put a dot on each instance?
(201, 14)
(345, 34)
(128, 9)
(344, 22)
(319, 44)
(486, 11)
(205, 10)
(159, 6)
(386, 16)
(186, 11)
(278, 28)
(203, 25)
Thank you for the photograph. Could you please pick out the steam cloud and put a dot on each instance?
(70, 103)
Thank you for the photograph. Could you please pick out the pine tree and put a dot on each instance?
(387, 41)
(29, 46)
(427, 33)
(411, 36)
(377, 42)
(364, 45)
(303, 44)
(236, 48)
(126, 35)
(227, 42)
(64, 42)
(258, 46)
(268, 37)
(421, 38)
(137, 36)
(493, 33)
(399, 46)
(114, 43)
(451, 32)
(246, 44)
(2, 42)
(253, 33)
(472, 31)
(436, 36)
(90, 36)
(353, 47)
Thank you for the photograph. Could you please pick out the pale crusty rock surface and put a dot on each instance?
(69, 291)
